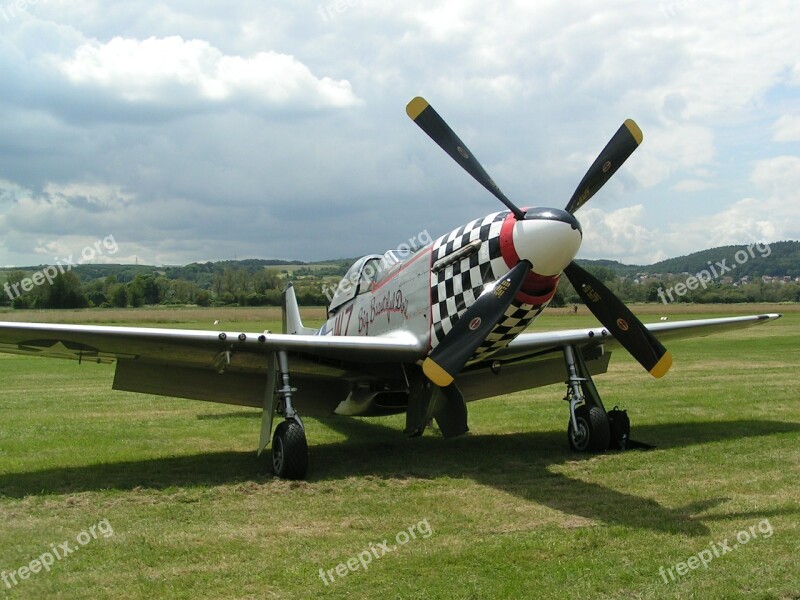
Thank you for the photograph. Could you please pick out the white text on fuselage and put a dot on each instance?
(391, 302)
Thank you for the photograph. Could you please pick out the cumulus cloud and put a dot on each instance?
(206, 131)
(619, 234)
(175, 71)
(772, 215)
(691, 185)
(780, 178)
(91, 196)
(787, 129)
(672, 150)
(61, 208)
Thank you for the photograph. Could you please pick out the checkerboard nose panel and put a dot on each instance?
(457, 286)
(515, 320)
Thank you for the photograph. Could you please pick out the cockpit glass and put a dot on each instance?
(365, 272)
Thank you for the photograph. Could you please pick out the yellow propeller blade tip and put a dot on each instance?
(662, 366)
(416, 106)
(635, 131)
(436, 373)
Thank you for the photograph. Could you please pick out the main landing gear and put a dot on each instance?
(590, 429)
(289, 446)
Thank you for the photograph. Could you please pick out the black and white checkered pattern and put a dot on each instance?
(459, 285)
(515, 320)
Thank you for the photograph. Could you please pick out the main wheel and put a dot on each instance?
(594, 432)
(289, 451)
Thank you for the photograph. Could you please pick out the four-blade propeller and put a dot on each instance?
(448, 358)
(616, 152)
(431, 123)
(620, 321)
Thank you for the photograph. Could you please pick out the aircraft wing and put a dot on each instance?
(204, 348)
(534, 343)
(95, 343)
(535, 359)
(186, 363)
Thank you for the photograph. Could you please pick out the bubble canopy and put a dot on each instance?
(369, 269)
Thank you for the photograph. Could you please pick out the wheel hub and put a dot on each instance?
(277, 454)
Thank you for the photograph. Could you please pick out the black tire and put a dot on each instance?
(620, 425)
(289, 451)
(594, 431)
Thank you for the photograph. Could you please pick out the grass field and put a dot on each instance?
(504, 512)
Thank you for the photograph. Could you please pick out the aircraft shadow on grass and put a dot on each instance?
(517, 464)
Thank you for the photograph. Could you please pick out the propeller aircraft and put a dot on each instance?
(421, 334)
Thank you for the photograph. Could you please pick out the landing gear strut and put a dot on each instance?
(589, 429)
(289, 446)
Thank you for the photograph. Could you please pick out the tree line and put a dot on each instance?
(242, 286)
(260, 283)
(665, 289)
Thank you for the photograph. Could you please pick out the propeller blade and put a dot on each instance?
(616, 152)
(434, 125)
(451, 412)
(449, 357)
(620, 321)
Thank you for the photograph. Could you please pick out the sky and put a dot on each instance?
(197, 130)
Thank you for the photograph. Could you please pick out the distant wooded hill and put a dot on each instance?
(257, 282)
(776, 259)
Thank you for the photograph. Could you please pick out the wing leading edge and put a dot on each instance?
(536, 359)
(241, 351)
(184, 363)
(534, 343)
(216, 366)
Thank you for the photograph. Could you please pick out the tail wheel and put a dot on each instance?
(593, 433)
(289, 451)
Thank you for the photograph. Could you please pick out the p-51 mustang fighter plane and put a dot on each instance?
(421, 334)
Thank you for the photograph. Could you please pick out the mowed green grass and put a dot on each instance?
(512, 513)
